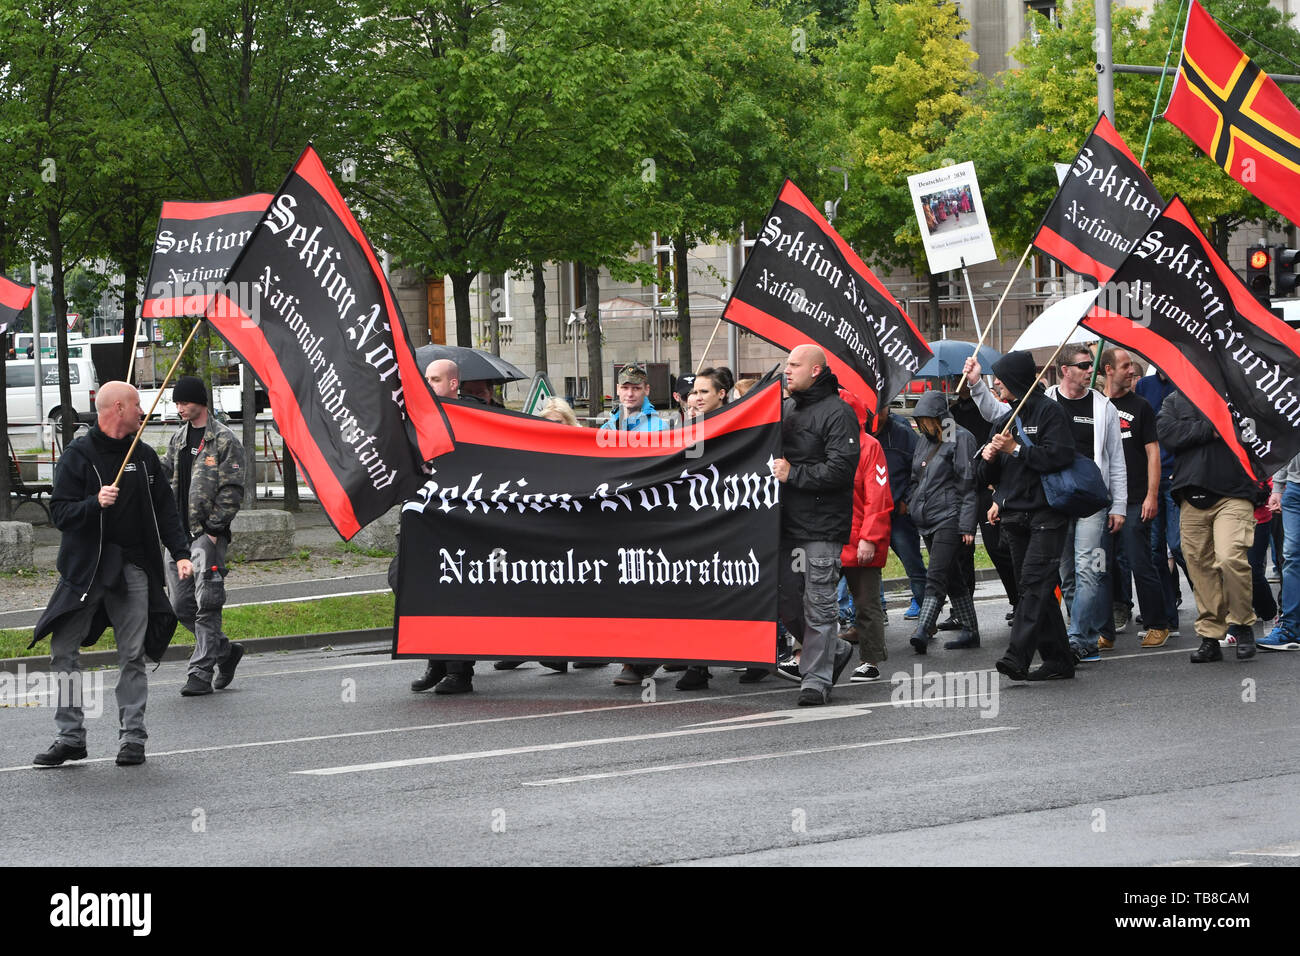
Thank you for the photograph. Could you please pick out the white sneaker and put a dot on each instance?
(865, 673)
(1228, 641)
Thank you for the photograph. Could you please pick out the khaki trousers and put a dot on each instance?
(1216, 542)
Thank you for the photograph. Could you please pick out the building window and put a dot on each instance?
(1047, 274)
(1045, 9)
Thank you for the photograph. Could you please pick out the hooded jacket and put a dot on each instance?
(819, 438)
(644, 420)
(943, 473)
(1017, 480)
(1107, 447)
(85, 557)
(873, 505)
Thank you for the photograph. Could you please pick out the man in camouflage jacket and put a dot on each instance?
(205, 465)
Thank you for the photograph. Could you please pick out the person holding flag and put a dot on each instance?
(1217, 514)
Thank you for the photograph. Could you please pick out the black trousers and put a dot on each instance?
(996, 546)
(1036, 540)
(946, 574)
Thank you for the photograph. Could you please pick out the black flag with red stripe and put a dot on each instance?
(13, 299)
(1177, 304)
(307, 305)
(196, 244)
(1103, 207)
(803, 283)
(537, 540)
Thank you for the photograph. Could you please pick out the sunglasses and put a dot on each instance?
(1084, 366)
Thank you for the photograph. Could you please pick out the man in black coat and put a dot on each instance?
(1034, 532)
(1217, 501)
(110, 570)
(820, 449)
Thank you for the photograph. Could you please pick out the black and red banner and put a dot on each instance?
(1103, 207)
(537, 540)
(1177, 304)
(803, 283)
(13, 299)
(307, 305)
(1232, 110)
(196, 244)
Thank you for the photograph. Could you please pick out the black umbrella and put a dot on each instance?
(474, 365)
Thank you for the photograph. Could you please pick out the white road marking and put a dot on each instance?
(665, 768)
(1223, 863)
(773, 719)
(1285, 849)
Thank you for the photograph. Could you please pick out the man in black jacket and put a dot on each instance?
(819, 437)
(1216, 524)
(110, 569)
(1034, 532)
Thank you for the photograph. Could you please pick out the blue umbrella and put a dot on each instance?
(951, 355)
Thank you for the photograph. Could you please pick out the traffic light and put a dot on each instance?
(1257, 277)
(1284, 277)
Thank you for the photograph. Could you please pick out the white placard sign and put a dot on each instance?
(951, 216)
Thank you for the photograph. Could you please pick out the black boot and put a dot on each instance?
(963, 608)
(435, 672)
(1245, 641)
(1208, 651)
(695, 678)
(964, 641)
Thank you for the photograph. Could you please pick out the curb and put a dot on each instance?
(301, 642)
(182, 652)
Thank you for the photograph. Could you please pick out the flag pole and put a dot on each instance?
(970, 297)
(704, 357)
(964, 387)
(156, 399)
(1173, 35)
(1039, 377)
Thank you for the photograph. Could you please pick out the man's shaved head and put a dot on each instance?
(805, 363)
(118, 406)
(443, 376)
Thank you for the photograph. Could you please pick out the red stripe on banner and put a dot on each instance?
(15, 296)
(432, 430)
(1106, 130)
(1170, 360)
(238, 329)
(476, 425)
(783, 335)
(594, 638)
(792, 195)
(174, 209)
(194, 306)
(1070, 256)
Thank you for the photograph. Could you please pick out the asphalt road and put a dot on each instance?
(328, 758)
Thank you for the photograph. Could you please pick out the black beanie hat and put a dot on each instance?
(191, 389)
(1017, 372)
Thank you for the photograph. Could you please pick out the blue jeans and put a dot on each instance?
(1165, 541)
(906, 542)
(1085, 565)
(845, 600)
(1291, 559)
(1133, 545)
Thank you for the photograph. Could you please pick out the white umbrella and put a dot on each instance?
(1047, 331)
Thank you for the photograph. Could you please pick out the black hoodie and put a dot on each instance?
(820, 437)
(1017, 481)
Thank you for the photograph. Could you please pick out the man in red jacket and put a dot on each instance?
(864, 556)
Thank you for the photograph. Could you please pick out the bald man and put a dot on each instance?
(443, 376)
(110, 569)
(821, 444)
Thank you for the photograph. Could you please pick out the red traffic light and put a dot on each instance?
(1259, 259)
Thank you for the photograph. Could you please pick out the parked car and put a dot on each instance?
(20, 378)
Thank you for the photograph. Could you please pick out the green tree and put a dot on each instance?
(903, 74)
(760, 112)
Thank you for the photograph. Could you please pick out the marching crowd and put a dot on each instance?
(1083, 497)
(1168, 495)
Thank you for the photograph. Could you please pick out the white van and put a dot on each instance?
(22, 341)
(20, 377)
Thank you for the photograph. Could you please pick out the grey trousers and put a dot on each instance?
(198, 601)
(807, 580)
(127, 603)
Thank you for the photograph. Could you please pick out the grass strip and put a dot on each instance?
(355, 612)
